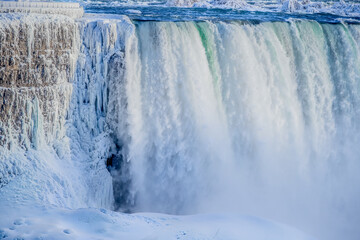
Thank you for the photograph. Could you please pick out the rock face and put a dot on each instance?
(55, 70)
(37, 61)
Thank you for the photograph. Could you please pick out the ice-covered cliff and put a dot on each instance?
(38, 59)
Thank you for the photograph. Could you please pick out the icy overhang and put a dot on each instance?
(64, 8)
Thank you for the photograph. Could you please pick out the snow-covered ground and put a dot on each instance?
(48, 222)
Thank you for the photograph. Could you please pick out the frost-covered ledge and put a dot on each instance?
(69, 9)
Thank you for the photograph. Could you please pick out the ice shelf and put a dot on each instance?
(73, 10)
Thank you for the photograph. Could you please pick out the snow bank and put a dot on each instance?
(56, 223)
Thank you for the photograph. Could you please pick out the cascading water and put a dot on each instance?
(237, 116)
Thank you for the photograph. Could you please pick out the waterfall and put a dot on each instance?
(238, 116)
